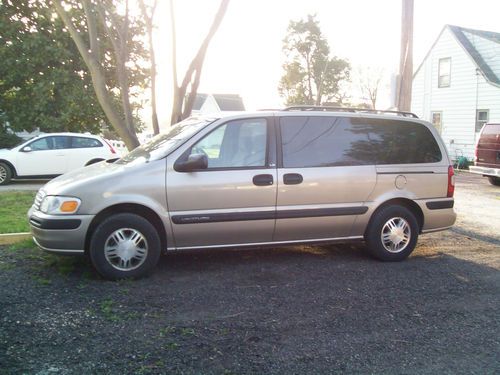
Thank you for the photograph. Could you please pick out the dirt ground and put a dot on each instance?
(295, 310)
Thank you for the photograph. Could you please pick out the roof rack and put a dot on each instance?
(348, 109)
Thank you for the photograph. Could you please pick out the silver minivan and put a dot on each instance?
(300, 175)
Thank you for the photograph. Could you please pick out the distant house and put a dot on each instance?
(216, 103)
(457, 86)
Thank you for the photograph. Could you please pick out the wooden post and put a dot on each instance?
(406, 57)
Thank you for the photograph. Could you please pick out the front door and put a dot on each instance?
(46, 156)
(233, 201)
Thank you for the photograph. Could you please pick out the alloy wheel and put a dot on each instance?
(126, 249)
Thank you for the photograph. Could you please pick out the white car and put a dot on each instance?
(50, 155)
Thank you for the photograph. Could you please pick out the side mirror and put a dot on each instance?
(26, 149)
(194, 162)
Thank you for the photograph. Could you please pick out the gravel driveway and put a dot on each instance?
(295, 310)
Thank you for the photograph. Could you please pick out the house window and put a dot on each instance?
(437, 120)
(482, 117)
(444, 72)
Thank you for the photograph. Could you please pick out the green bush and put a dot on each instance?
(8, 140)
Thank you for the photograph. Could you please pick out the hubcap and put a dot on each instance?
(396, 235)
(126, 249)
(3, 174)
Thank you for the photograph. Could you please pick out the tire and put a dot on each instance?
(400, 241)
(125, 246)
(494, 181)
(5, 174)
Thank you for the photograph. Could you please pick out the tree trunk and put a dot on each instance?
(406, 58)
(152, 56)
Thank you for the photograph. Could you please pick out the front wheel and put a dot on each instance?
(5, 174)
(124, 246)
(392, 233)
(494, 181)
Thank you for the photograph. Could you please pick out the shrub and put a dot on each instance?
(8, 140)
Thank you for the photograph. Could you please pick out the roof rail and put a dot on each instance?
(348, 109)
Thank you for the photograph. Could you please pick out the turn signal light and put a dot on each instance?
(69, 206)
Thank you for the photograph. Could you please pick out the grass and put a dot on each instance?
(13, 209)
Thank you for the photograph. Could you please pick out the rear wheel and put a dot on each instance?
(392, 233)
(494, 181)
(124, 246)
(5, 174)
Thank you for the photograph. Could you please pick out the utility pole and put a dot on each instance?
(406, 57)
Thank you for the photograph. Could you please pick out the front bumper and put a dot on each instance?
(59, 234)
(485, 171)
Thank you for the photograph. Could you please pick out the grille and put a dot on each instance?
(38, 199)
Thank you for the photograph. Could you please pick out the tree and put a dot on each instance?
(310, 76)
(43, 81)
(107, 41)
(369, 83)
(182, 103)
(148, 16)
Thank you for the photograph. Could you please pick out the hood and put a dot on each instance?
(76, 180)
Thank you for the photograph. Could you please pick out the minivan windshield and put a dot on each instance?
(159, 146)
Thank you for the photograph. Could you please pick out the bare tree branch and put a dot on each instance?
(193, 72)
(92, 29)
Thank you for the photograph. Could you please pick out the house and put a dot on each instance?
(216, 103)
(457, 86)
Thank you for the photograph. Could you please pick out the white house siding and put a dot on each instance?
(456, 102)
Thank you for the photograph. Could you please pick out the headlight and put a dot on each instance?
(59, 205)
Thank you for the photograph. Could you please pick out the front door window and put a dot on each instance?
(237, 144)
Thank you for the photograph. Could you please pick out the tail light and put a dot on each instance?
(451, 182)
(110, 147)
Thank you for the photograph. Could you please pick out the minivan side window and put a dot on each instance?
(344, 141)
(235, 144)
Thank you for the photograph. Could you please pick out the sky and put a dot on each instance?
(245, 56)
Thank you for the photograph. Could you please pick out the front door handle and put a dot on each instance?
(292, 179)
(263, 180)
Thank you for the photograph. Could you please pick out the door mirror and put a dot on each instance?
(26, 149)
(192, 163)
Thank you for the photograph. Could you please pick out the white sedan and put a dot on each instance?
(50, 155)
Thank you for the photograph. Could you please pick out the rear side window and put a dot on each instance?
(343, 141)
(80, 142)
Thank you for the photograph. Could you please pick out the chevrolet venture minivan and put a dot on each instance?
(300, 175)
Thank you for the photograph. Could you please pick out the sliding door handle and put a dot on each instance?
(292, 179)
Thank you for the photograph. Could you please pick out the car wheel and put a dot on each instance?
(494, 181)
(5, 174)
(392, 233)
(124, 246)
